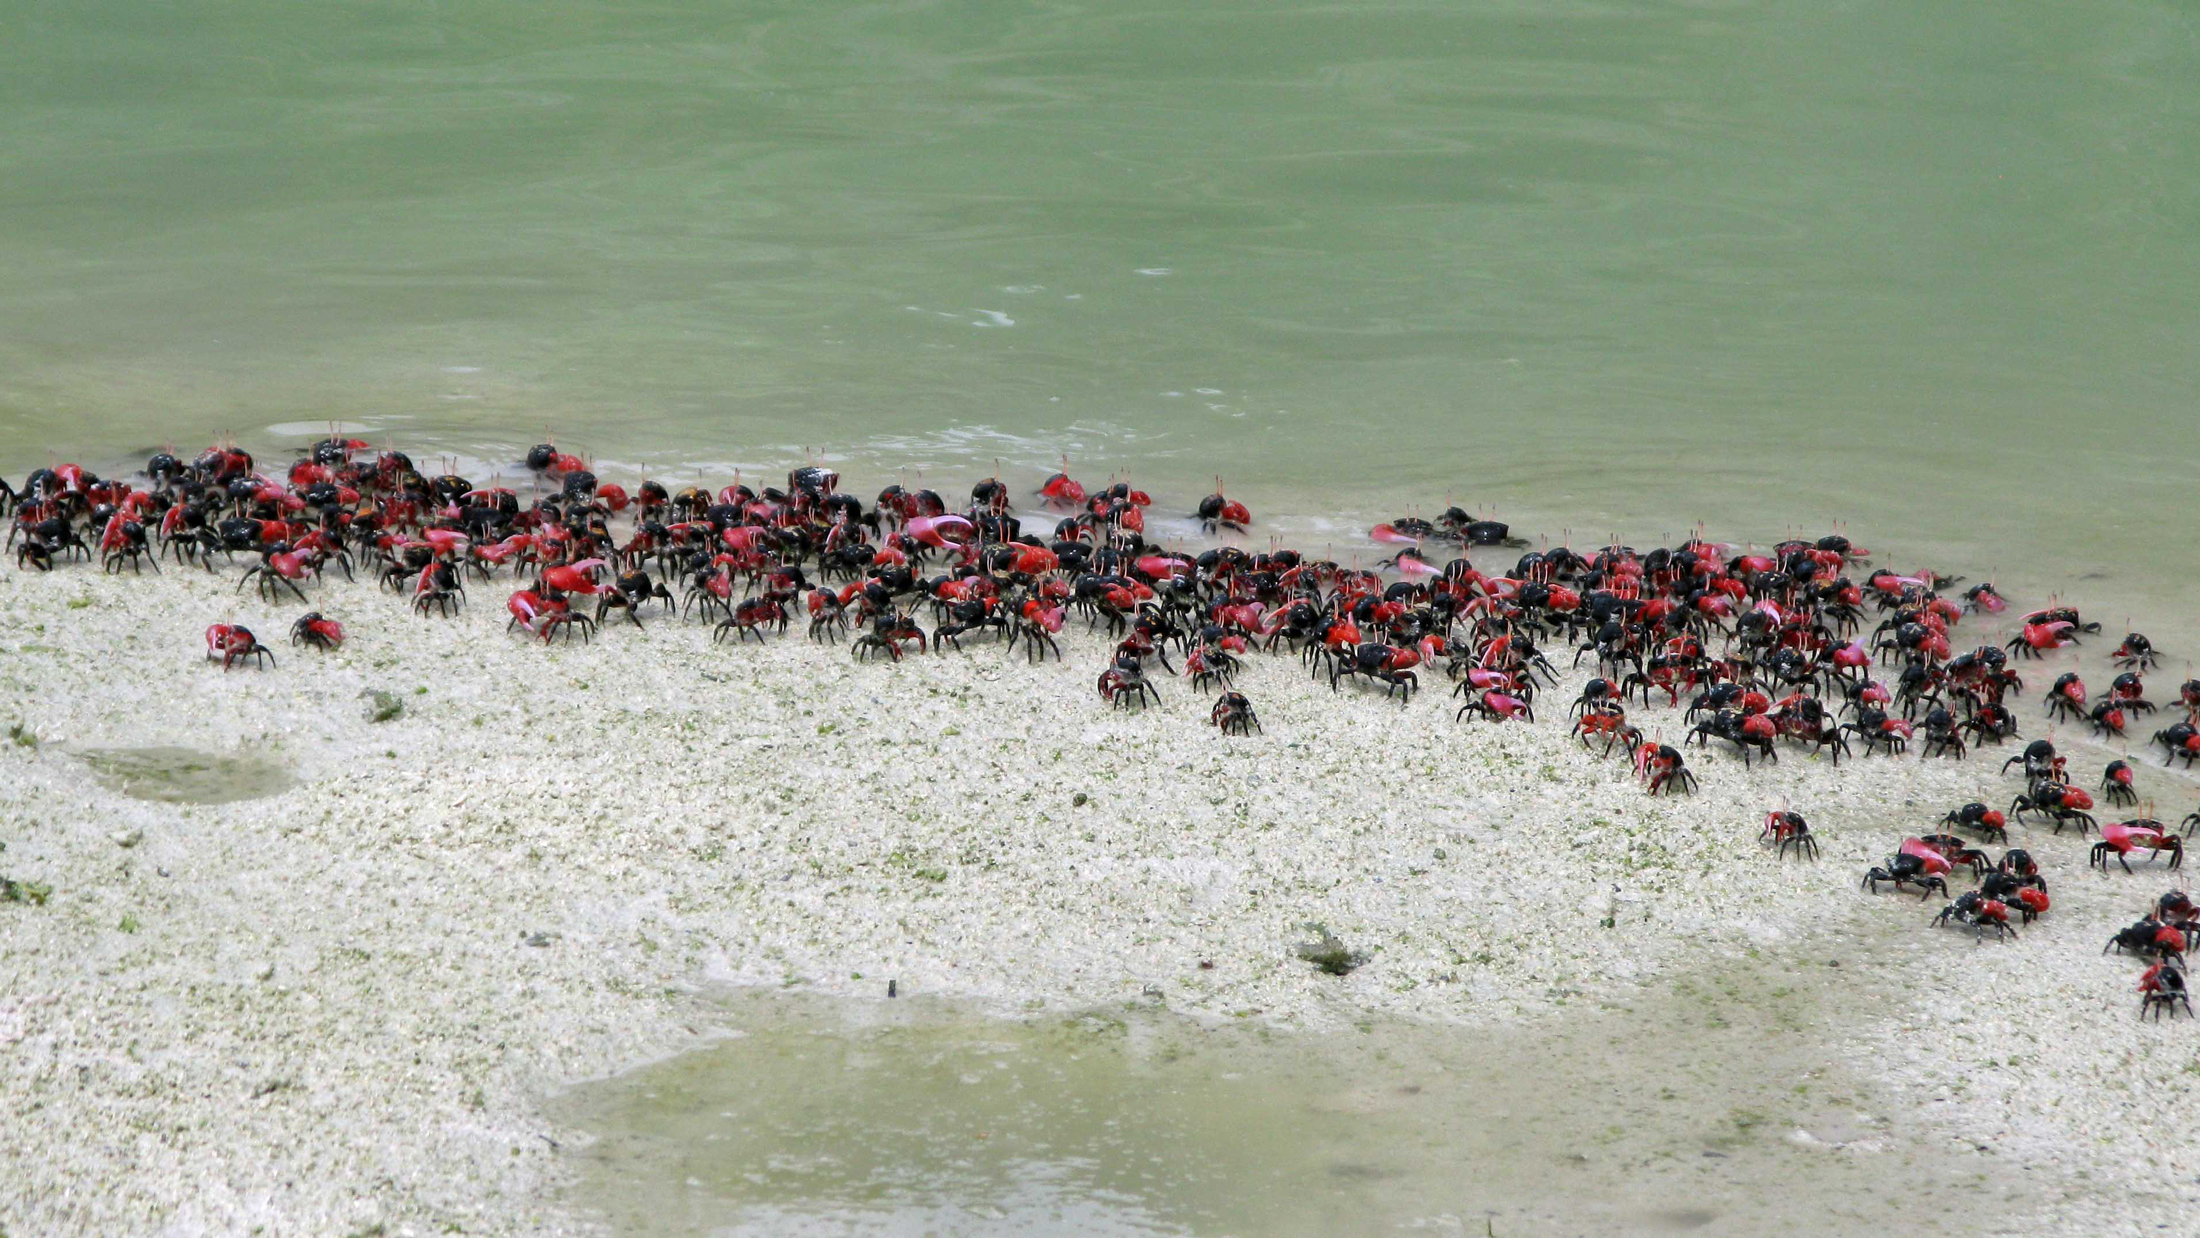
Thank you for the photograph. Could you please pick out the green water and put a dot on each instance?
(187, 775)
(1932, 269)
(1715, 1103)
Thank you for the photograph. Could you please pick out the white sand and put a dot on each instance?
(327, 1014)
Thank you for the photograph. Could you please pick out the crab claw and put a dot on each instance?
(922, 526)
(569, 579)
(1935, 863)
(1410, 566)
(444, 541)
(932, 531)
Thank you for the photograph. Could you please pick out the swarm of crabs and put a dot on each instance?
(1750, 652)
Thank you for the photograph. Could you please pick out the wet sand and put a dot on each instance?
(349, 1002)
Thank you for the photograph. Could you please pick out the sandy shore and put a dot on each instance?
(342, 1006)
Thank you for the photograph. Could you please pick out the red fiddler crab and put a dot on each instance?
(1916, 864)
(750, 617)
(314, 629)
(438, 585)
(1662, 768)
(1980, 913)
(2047, 630)
(232, 643)
(2153, 936)
(1036, 623)
(1977, 816)
(2162, 987)
(1233, 714)
(281, 567)
(828, 614)
(2025, 892)
(2121, 838)
(1956, 851)
(1393, 665)
(1209, 665)
(2063, 803)
(2067, 698)
(2116, 784)
(2180, 741)
(1610, 721)
(1125, 682)
(2136, 653)
(545, 617)
(1500, 706)
(887, 635)
(1217, 513)
(1788, 829)
(1060, 491)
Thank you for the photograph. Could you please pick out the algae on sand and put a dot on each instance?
(1329, 954)
(32, 892)
(383, 706)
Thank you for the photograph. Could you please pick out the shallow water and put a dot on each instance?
(1710, 1104)
(187, 775)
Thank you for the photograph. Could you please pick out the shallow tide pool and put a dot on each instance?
(1712, 1104)
(171, 775)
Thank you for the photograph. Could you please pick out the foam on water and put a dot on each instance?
(318, 429)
